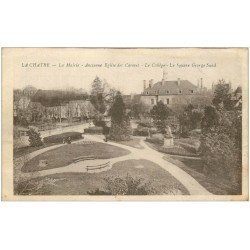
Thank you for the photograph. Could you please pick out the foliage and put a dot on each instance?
(222, 96)
(98, 102)
(125, 186)
(94, 130)
(221, 157)
(160, 113)
(222, 137)
(102, 95)
(59, 137)
(34, 186)
(190, 119)
(120, 123)
(210, 120)
(155, 140)
(34, 138)
(120, 131)
(177, 151)
(137, 109)
(57, 97)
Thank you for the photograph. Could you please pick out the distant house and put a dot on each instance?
(171, 93)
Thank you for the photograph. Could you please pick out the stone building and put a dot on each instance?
(170, 92)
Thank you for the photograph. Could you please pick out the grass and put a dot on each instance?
(65, 155)
(18, 152)
(194, 167)
(134, 143)
(48, 141)
(81, 183)
(175, 150)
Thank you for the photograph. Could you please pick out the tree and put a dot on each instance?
(210, 120)
(222, 96)
(160, 113)
(138, 109)
(96, 86)
(221, 158)
(98, 102)
(190, 119)
(120, 123)
(221, 145)
(34, 138)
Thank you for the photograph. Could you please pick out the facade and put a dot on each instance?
(170, 93)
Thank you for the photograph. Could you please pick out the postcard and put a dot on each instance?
(116, 124)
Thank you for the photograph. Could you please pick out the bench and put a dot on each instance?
(98, 167)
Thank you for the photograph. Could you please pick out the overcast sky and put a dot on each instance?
(147, 64)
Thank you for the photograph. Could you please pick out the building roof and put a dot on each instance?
(170, 88)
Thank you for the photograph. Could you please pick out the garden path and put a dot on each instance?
(146, 152)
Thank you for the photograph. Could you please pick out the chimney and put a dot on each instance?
(164, 77)
(151, 81)
(144, 84)
(179, 82)
(201, 83)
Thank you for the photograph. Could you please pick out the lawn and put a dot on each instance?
(81, 183)
(175, 150)
(18, 152)
(65, 155)
(194, 167)
(48, 141)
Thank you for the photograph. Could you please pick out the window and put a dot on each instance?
(192, 91)
(147, 93)
(180, 91)
(152, 101)
(167, 100)
(167, 92)
(155, 92)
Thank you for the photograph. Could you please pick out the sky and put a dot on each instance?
(124, 69)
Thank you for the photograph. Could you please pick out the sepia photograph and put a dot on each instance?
(125, 123)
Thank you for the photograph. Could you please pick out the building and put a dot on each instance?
(171, 93)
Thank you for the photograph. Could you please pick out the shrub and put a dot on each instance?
(120, 131)
(59, 138)
(99, 123)
(94, 130)
(176, 151)
(145, 124)
(140, 132)
(155, 140)
(188, 147)
(221, 157)
(34, 138)
(125, 186)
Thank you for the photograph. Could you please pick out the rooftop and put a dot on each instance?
(171, 88)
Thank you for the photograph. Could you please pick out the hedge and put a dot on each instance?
(155, 140)
(93, 130)
(59, 137)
